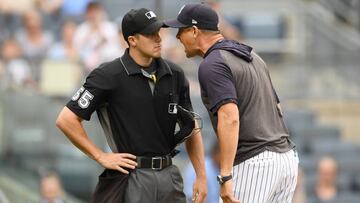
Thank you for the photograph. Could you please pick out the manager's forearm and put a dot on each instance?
(228, 135)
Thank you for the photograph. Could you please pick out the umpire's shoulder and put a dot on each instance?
(112, 67)
(105, 75)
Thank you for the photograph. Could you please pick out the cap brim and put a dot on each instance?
(174, 23)
(152, 28)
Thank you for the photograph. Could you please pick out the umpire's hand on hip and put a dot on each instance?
(226, 192)
(117, 161)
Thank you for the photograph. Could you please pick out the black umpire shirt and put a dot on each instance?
(135, 119)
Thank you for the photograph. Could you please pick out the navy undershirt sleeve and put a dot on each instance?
(216, 81)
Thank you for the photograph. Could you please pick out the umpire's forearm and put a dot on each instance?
(71, 126)
(195, 149)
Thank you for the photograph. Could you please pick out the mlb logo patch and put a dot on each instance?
(150, 15)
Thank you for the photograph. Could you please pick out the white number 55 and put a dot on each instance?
(85, 98)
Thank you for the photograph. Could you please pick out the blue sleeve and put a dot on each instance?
(216, 82)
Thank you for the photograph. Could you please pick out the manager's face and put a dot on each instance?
(187, 39)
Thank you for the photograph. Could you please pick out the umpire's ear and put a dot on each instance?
(132, 41)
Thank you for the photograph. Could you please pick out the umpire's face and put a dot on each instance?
(187, 37)
(148, 45)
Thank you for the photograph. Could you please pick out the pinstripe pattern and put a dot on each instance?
(269, 177)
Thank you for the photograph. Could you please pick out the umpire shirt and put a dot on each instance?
(135, 119)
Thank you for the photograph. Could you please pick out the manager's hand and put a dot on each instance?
(117, 161)
(226, 193)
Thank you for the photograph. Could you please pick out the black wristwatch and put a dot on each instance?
(222, 179)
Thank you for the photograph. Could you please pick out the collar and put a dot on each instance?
(211, 47)
(132, 68)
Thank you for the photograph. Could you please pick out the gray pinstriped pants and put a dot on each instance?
(269, 177)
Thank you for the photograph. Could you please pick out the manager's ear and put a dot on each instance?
(195, 31)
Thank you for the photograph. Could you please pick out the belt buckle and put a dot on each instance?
(153, 160)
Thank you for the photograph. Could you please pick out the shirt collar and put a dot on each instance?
(132, 68)
(211, 47)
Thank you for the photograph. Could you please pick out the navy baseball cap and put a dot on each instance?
(200, 15)
(140, 21)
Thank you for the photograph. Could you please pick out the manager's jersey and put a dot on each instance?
(232, 72)
(135, 119)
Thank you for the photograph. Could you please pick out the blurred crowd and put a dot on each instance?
(36, 33)
(48, 46)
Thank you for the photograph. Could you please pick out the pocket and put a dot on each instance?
(176, 178)
(111, 187)
(109, 175)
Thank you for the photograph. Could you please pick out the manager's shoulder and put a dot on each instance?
(214, 57)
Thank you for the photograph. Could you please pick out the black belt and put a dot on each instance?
(155, 163)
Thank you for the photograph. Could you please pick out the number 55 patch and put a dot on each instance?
(83, 97)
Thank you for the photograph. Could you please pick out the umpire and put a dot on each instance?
(136, 98)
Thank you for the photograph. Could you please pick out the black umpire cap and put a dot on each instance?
(201, 15)
(140, 21)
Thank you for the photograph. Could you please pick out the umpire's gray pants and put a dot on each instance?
(152, 186)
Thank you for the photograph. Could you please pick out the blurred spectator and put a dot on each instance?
(212, 164)
(325, 187)
(123, 43)
(16, 7)
(300, 190)
(228, 30)
(11, 12)
(35, 41)
(50, 6)
(96, 39)
(51, 189)
(15, 72)
(59, 11)
(50, 10)
(74, 9)
(65, 49)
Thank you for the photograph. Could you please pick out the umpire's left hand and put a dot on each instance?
(199, 190)
(117, 161)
